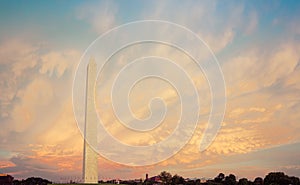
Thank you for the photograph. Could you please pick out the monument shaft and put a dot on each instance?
(90, 156)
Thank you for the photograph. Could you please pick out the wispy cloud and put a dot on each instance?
(101, 16)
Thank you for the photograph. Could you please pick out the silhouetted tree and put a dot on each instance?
(176, 179)
(258, 181)
(230, 180)
(220, 177)
(32, 181)
(279, 178)
(295, 180)
(165, 177)
(244, 181)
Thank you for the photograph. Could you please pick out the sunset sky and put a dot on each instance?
(257, 45)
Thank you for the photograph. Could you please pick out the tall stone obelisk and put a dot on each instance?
(90, 156)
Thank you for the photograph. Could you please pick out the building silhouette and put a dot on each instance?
(6, 179)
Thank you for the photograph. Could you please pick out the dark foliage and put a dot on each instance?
(32, 181)
(279, 178)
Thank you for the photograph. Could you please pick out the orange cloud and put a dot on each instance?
(6, 164)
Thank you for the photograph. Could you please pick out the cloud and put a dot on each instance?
(28, 92)
(17, 58)
(255, 69)
(56, 63)
(40, 133)
(217, 24)
(62, 137)
(250, 112)
(252, 23)
(38, 86)
(101, 16)
(24, 113)
(6, 164)
(250, 75)
(23, 165)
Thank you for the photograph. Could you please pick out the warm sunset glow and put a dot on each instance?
(256, 43)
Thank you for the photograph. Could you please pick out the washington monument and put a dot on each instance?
(90, 156)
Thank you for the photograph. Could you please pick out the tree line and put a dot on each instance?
(166, 178)
(32, 181)
(273, 178)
